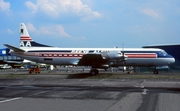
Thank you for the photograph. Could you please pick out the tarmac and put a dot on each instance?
(112, 91)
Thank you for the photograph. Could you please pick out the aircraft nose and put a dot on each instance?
(172, 60)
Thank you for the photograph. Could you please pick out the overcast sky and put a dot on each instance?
(91, 23)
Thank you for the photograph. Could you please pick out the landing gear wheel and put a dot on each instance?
(94, 72)
(105, 69)
(156, 71)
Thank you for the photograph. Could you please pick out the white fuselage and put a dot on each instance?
(71, 56)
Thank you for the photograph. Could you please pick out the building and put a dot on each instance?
(7, 58)
(172, 49)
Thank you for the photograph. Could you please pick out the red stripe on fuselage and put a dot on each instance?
(60, 55)
(75, 55)
(141, 55)
(54, 55)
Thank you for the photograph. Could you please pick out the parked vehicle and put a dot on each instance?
(5, 66)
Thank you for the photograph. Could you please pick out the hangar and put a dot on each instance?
(173, 49)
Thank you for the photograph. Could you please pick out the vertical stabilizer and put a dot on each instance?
(24, 35)
(26, 41)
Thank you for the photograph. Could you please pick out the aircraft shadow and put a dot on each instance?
(79, 76)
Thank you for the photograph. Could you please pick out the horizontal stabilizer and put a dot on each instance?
(15, 49)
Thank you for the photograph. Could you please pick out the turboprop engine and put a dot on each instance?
(114, 56)
(102, 60)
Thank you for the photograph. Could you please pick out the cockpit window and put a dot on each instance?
(163, 53)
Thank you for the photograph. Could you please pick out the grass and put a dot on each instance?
(107, 75)
(134, 76)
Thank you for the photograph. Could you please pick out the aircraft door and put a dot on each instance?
(37, 57)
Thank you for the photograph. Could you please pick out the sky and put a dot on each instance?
(91, 23)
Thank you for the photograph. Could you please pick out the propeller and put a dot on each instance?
(123, 56)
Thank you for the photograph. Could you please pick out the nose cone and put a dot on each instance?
(171, 60)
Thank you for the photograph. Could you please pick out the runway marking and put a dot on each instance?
(10, 99)
(140, 86)
(144, 91)
(102, 79)
(38, 93)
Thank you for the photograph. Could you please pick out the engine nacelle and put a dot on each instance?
(112, 56)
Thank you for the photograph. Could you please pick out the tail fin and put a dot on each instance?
(24, 35)
(26, 40)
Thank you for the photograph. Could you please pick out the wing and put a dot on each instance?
(101, 60)
(92, 59)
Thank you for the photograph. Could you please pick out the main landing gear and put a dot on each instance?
(94, 71)
(155, 71)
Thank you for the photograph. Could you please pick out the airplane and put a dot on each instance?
(97, 58)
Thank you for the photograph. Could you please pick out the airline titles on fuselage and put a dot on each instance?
(88, 51)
